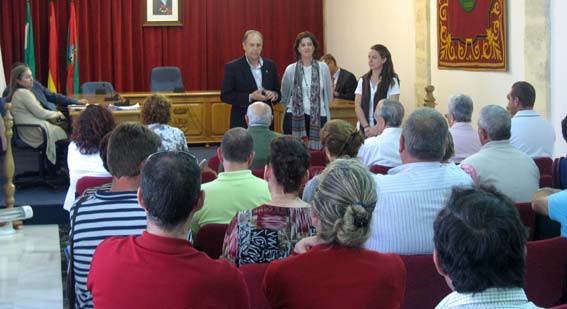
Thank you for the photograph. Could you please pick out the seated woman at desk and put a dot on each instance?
(83, 157)
(156, 113)
(26, 109)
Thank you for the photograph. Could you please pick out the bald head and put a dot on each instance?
(258, 113)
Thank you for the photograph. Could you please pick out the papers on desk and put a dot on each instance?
(77, 107)
(134, 107)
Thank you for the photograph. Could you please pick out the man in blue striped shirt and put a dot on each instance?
(412, 194)
(115, 212)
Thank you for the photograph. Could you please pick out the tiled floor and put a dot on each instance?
(30, 268)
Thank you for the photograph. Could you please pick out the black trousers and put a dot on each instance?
(287, 123)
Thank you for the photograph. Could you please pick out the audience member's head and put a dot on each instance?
(236, 146)
(301, 36)
(480, 241)
(522, 96)
(339, 138)
(564, 128)
(103, 149)
(129, 145)
(288, 159)
(460, 108)
(170, 188)
(389, 114)
(20, 77)
(424, 136)
(494, 124)
(331, 62)
(344, 202)
(449, 149)
(258, 113)
(156, 109)
(90, 127)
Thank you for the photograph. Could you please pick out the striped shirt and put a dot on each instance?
(492, 298)
(102, 215)
(409, 199)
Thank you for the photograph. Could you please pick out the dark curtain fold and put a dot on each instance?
(115, 47)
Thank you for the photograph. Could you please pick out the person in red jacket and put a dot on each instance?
(337, 272)
(160, 268)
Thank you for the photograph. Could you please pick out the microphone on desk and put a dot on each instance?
(15, 214)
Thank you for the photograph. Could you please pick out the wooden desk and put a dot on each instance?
(202, 116)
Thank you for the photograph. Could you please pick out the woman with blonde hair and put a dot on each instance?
(337, 271)
(339, 139)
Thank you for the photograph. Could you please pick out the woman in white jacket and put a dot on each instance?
(307, 91)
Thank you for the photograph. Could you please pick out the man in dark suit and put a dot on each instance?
(248, 79)
(344, 82)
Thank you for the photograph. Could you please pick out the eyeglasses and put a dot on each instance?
(158, 154)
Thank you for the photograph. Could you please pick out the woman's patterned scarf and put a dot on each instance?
(298, 114)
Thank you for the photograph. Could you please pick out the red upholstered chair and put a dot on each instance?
(545, 165)
(560, 307)
(559, 173)
(315, 170)
(254, 276)
(546, 271)
(214, 163)
(528, 217)
(379, 169)
(318, 157)
(87, 182)
(207, 176)
(258, 173)
(210, 238)
(425, 288)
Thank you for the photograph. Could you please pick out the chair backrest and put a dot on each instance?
(258, 173)
(99, 87)
(87, 182)
(546, 272)
(425, 288)
(528, 217)
(545, 165)
(315, 170)
(254, 276)
(207, 176)
(559, 173)
(318, 157)
(166, 79)
(210, 238)
(214, 163)
(379, 169)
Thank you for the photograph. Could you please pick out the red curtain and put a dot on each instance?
(115, 47)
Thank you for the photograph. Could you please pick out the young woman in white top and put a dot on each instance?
(307, 90)
(380, 82)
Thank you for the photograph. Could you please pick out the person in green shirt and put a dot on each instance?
(236, 188)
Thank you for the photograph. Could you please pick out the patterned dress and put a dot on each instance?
(171, 138)
(266, 233)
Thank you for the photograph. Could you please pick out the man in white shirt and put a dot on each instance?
(465, 137)
(480, 249)
(531, 133)
(498, 163)
(384, 149)
(412, 194)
